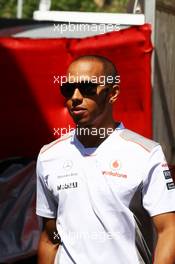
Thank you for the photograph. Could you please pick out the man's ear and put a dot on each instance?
(114, 93)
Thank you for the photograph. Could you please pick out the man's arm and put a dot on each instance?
(49, 242)
(165, 249)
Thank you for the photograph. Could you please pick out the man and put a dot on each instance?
(86, 181)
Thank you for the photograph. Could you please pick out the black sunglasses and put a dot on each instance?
(86, 88)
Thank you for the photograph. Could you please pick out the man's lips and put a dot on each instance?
(78, 110)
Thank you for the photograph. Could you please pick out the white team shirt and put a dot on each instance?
(92, 194)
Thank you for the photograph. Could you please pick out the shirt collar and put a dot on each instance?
(74, 139)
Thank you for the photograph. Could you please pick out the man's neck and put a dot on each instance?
(93, 136)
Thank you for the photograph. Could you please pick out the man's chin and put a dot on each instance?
(81, 122)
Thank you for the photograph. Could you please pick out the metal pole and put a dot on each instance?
(150, 11)
(44, 5)
(19, 8)
(135, 6)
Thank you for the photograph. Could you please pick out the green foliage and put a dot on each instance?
(29, 7)
(89, 5)
(8, 7)
(74, 5)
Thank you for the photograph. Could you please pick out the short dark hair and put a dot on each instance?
(110, 68)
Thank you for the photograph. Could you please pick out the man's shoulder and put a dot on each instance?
(56, 143)
(138, 140)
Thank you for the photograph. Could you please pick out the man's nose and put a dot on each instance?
(77, 96)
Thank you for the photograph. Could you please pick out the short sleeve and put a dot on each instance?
(158, 186)
(46, 205)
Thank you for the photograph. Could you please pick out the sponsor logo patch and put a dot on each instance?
(115, 165)
(66, 186)
(71, 174)
(167, 174)
(164, 165)
(170, 185)
(67, 165)
(116, 174)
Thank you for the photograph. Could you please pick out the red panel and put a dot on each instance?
(30, 103)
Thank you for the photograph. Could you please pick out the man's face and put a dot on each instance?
(87, 110)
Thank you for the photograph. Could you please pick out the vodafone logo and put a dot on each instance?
(115, 165)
